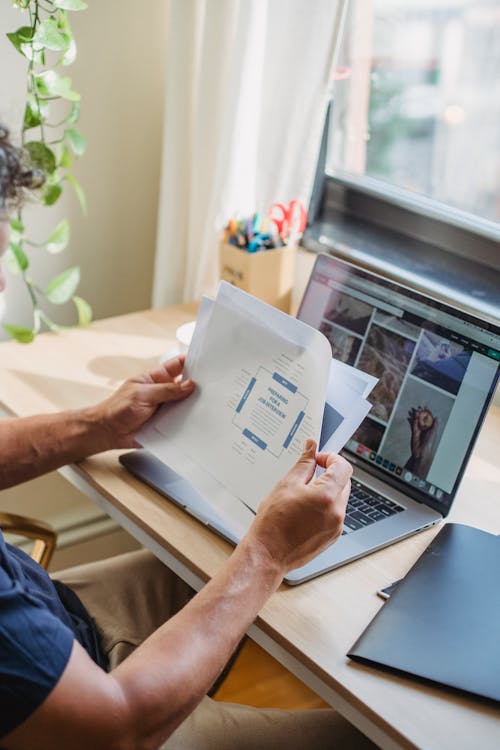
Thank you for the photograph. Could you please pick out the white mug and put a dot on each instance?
(183, 336)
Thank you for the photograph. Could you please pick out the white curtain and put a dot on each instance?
(246, 92)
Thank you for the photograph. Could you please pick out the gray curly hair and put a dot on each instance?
(16, 173)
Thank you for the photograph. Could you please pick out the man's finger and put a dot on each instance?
(304, 468)
(344, 497)
(338, 494)
(162, 393)
(329, 459)
(168, 370)
(337, 469)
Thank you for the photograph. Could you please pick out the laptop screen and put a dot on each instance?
(437, 370)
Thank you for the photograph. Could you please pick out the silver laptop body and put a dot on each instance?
(437, 369)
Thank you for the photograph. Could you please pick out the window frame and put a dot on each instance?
(413, 228)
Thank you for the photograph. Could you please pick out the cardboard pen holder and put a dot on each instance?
(267, 274)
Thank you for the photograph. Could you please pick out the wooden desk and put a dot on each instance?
(309, 628)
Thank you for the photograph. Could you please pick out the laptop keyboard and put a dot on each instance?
(366, 507)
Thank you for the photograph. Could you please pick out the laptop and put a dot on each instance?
(437, 367)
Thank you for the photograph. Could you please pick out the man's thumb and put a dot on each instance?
(306, 465)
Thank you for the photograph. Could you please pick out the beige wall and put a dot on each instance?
(120, 73)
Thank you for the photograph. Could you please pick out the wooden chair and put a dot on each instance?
(42, 533)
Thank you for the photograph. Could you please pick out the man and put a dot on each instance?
(109, 657)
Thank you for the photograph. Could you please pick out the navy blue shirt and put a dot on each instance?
(39, 620)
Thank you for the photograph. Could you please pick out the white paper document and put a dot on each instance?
(345, 405)
(265, 382)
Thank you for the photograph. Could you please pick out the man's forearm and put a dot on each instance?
(177, 665)
(142, 701)
(33, 446)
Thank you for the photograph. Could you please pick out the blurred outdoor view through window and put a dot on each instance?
(416, 100)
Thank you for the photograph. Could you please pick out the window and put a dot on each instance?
(408, 178)
(417, 104)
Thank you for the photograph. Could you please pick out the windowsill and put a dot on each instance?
(459, 281)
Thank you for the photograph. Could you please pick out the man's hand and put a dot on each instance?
(142, 701)
(302, 516)
(124, 413)
(33, 446)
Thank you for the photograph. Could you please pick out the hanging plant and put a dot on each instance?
(52, 140)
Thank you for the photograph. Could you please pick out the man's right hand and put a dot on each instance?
(302, 516)
(142, 701)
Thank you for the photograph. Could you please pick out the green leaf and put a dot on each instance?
(11, 262)
(70, 4)
(35, 112)
(51, 193)
(41, 156)
(62, 287)
(49, 36)
(41, 86)
(66, 160)
(59, 238)
(21, 37)
(16, 225)
(76, 141)
(84, 311)
(78, 190)
(69, 56)
(19, 255)
(23, 335)
(62, 18)
(74, 114)
(32, 116)
(50, 83)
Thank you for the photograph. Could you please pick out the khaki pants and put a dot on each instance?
(129, 597)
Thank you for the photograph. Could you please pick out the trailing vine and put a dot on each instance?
(52, 140)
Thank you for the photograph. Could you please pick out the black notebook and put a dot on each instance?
(442, 623)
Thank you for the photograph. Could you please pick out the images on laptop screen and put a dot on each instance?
(437, 370)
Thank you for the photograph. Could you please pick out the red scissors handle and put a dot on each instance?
(279, 214)
(297, 216)
(289, 218)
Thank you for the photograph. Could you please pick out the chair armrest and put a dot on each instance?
(44, 535)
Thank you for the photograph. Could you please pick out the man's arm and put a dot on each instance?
(36, 445)
(143, 700)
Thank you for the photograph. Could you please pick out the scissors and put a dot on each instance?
(289, 220)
